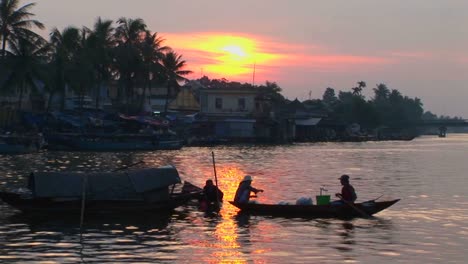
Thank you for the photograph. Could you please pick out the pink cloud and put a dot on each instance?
(412, 54)
(271, 58)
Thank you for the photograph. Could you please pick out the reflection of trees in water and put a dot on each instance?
(108, 237)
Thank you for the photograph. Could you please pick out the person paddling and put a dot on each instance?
(212, 193)
(348, 193)
(244, 189)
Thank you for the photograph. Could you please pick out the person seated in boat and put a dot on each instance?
(348, 193)
(148, 130)
(244, 189)
(32, 183)
(212, 193)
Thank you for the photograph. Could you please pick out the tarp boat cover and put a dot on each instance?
(127, 185)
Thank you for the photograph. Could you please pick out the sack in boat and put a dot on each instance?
(304, 201)
(283, 203)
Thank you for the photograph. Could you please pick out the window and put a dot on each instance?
(241, 103)
(219, 103)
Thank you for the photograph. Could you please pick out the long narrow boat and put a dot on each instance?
(112, 142)
(141, 190)
(19, 144)
(368, 208)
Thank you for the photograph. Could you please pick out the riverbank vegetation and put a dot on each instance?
(128, 54)
(125, 51)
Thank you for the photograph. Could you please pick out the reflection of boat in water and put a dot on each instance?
(69, 223)
(112, 142)
(328, 210)
(139, 190)
(18, 144)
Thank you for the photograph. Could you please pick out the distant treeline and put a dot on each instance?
(128, 54)
(386, 108)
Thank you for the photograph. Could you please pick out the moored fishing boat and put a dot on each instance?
(139, 190)
(112, 142)
(344, 210)
(20, 144)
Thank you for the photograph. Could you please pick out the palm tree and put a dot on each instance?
(81, 68)
(129, 30)
(27, 60)
(381, 93)
(128, 56)
(101, 41)
(152, 53)
(15, 22)
(66, 45)
(173, 64)
(358, 90)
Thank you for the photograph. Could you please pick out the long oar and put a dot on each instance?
(83, 203)
(128, 166)
(216, 178)
(373, 200)
(366, 215)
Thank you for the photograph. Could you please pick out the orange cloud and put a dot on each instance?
(220, 54)
(233, 56)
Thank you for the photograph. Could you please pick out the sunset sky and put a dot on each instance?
(419, 47)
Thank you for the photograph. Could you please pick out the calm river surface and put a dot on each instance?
(429, 224)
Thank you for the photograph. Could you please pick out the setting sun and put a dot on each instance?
(235, 50)
(226, 56)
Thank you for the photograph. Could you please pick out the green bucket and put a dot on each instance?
(323, 199)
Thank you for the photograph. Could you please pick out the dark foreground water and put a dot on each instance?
(429, 224)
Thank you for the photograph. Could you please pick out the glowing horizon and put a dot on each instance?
(236, 56)
(222, 55)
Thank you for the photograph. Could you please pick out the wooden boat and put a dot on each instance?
(112, 142)
(330, 210)
(16, 144)
(142, 190)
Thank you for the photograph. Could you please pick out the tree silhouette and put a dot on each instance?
(16, 22)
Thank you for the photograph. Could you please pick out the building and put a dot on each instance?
(227, 113)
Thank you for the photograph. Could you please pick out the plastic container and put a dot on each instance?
(323, 199)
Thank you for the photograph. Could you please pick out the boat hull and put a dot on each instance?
(110, 142)
(50, 205)
(316, 211)
(17, 149)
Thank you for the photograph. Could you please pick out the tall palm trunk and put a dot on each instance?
(49, 101)
(143, 96)
(98, 94)
(167, 99)
(20, 97)
(3, 46)
(145, 86)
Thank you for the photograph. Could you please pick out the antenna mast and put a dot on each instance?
(253, 74)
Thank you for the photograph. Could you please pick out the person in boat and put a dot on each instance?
(244, 190)
(212, 193)
(347, 192)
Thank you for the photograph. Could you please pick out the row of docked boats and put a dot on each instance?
(90, 131)
(22, 144)
(112, 142)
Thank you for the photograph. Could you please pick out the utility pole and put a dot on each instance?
(253, 75)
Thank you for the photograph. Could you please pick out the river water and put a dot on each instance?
(428, 225)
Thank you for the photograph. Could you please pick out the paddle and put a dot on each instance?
(128, 166)
(216, 178)
(364, 214)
